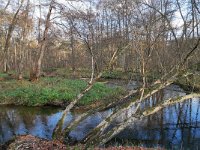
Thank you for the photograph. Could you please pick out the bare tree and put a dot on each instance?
(37, 70)
(9, 35)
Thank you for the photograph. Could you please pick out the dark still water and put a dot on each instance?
(177, 126)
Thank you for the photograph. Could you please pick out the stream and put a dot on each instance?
(177, 126)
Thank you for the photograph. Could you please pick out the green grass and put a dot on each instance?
(101, 92)
(53, 90)
(3, 75)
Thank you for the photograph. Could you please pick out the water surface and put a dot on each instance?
(177, 126)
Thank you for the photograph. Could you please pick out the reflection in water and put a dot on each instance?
(27, 120)
(88, 124)
(175, 126)
(41, 122)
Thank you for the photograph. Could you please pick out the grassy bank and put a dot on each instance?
(86, 73)
(54, 91)
(190, 82)
(61, 89)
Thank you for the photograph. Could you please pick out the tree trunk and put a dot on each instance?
(8, 37)
(101, 128)
(58, 130)
(101, 140)
(23, 43)
(96, 135)
(37, 68)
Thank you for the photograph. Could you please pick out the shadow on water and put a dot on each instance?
(176, 126)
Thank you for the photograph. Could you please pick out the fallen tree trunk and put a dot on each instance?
(57, 133)
(99, 130)
(78, 120)
(102, 139)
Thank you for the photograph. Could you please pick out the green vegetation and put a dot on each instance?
(116, 74)
(3, 75)
(86, 73)
(68, 73)
(101, 92)
(55, 90)
(190, 82)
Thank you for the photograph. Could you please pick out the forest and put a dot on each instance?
(99, 74)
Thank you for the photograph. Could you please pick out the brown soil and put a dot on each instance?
(29, 142)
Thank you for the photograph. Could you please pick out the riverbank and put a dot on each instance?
(59, 87)
(190, 82)
(55, 91)
(30, 142)
(51, 83)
